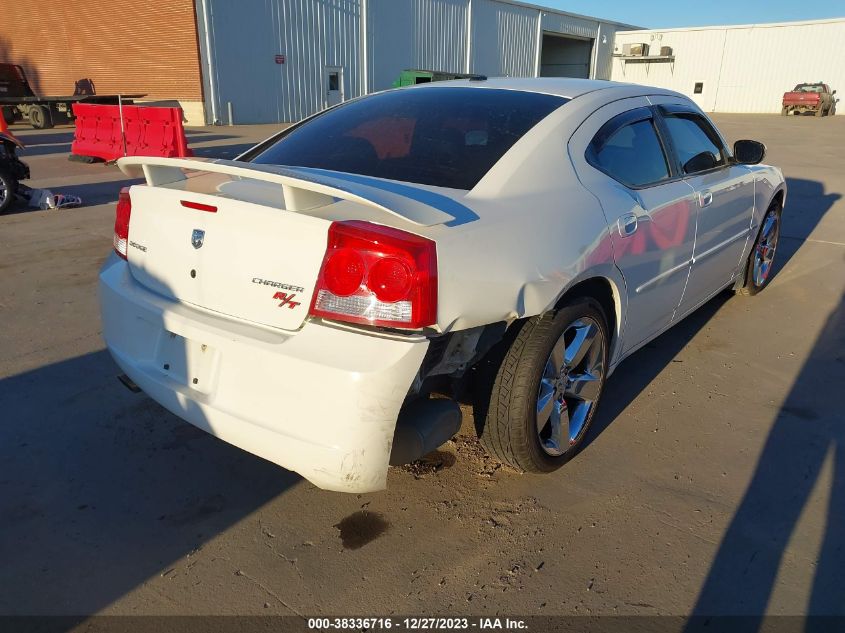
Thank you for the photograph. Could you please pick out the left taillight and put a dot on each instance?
(121, 222)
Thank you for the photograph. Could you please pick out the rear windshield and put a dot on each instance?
(809, 88)
(448, 137)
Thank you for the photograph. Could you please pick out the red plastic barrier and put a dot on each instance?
(4, 129)
(150, 131)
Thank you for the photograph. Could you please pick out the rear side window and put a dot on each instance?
(632, 154)
(691, 135)
(448, 137)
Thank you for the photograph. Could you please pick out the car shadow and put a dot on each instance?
(807, 433)
(806, 204)
(100, 489)
(56, 142)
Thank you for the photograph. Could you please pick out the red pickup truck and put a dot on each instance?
(816, 98)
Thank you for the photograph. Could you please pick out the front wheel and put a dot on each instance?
(547, 388)
(758, 269)
(8, 187)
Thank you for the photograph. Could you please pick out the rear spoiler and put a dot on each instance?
(306, 188)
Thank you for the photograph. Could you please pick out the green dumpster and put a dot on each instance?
(410, 77)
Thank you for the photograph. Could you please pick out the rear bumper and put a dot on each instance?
(322, 401)
(808, 105)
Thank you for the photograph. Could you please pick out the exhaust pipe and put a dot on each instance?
(128, 383)
(423, 425)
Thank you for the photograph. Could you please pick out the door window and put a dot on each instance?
(691, 136)
(631, 154)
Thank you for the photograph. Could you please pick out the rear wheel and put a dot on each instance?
(758, 270)
(40, 118)
(547, 388)
(820, 111)
(8, 186)
(784, 111)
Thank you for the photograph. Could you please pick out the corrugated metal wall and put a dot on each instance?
(246, 38)
(425, 34)
(439, 34)
(492, 37)
(124, 48)
(570, 25)
(743, 68)
(504, 39)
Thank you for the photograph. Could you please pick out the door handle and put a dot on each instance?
(705, 198)
(627, 224)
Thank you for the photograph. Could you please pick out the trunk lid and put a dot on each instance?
(247, 260)
(255, 254)
(801, 98)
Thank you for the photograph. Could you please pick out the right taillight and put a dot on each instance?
(121, 222)
(377, 275)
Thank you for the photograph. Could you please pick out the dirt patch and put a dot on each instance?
(429, 464)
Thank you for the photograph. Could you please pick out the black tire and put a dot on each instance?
(820, 111)
(506, 410)
(8, 114)
(751, 285)
(8, 186)
(40, 117)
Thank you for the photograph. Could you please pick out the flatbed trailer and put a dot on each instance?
(18, 101)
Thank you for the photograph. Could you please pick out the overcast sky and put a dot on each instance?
(660, 14)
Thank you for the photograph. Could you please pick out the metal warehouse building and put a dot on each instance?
(734, 68)
(281, 60)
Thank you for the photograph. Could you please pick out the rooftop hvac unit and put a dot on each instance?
(635, 50)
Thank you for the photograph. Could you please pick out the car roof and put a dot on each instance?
(568, 87)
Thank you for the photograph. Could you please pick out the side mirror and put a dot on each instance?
(833, 93)
(749, 152)
(700, 162)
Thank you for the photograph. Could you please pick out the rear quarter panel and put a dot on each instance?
(539, 232)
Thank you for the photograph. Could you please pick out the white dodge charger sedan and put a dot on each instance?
(325, 300)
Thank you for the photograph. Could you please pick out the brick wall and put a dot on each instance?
(120, 46)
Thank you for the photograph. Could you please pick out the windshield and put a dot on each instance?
(809, 88)
(448, 137)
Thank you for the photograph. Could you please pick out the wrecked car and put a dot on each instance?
(326, 300)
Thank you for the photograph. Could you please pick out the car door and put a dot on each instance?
(724, 201)
(648, 207)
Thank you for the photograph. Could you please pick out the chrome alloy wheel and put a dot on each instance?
(570, 386)
(764, 251)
